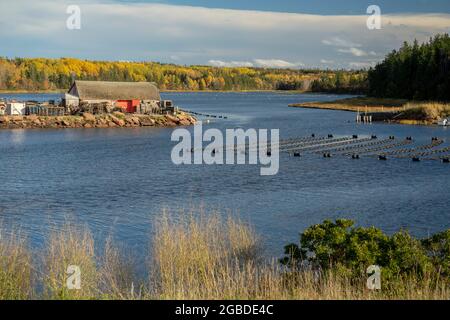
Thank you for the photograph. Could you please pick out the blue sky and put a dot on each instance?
(327, 7)
(262, 33)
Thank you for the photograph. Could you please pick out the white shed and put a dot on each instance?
(71, 101)
(15, 108)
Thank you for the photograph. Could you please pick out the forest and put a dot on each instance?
(41, 74)
(415, 71)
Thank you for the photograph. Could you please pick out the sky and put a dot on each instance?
(260, 33)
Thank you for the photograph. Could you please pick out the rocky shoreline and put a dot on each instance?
(88, 120)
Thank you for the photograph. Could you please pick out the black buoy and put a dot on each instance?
(355, 136)
(330, 136)
(269, 153)
(296, 154)
(355, 156)
(409, 138)
(381, 157)
(391, 137)
(415, 159)
(374, 137)
(446, 160)
(313, 135)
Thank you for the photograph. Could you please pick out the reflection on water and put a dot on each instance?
(120, 179)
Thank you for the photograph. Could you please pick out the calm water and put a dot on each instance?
(118, 180)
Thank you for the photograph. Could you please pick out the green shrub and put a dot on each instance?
(350, 250)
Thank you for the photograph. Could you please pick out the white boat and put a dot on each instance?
(444, 122)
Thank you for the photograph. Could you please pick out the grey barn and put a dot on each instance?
(129, 96)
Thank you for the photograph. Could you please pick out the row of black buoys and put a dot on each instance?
(409, 138)
(330, 136)
(327, 155)
(382, 157)
(355, 156)
(391, 137)
(374, 137)
(446, 160)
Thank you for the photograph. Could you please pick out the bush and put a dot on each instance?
(350, 250)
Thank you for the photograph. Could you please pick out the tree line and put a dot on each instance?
(415, 71)
(58, 74)
(33, 74)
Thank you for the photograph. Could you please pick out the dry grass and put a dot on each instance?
(361, 104)
(213, 258)
(426, 111)
(195, 257)
(15, 267)
(408, 112)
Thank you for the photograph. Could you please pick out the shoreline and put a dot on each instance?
(62, 91)
(399, 111)
(88, 120)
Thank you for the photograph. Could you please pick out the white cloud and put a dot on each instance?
(194, 35)
(339, 42)
(354, 51)
(324, 61)
(277, 63)
(220, 63)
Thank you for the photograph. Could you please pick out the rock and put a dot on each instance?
(37, 122)
(117, 121)
(32, 117)
(147, 122)
(17, 118)
(118, 114)
(88, 116)
(173, 119)
(4, 119)
(87, 125)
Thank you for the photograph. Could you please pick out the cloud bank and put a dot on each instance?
(195, 35)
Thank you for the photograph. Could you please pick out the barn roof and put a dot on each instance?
(104, 90)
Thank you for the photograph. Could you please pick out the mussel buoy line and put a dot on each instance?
(381, 157)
